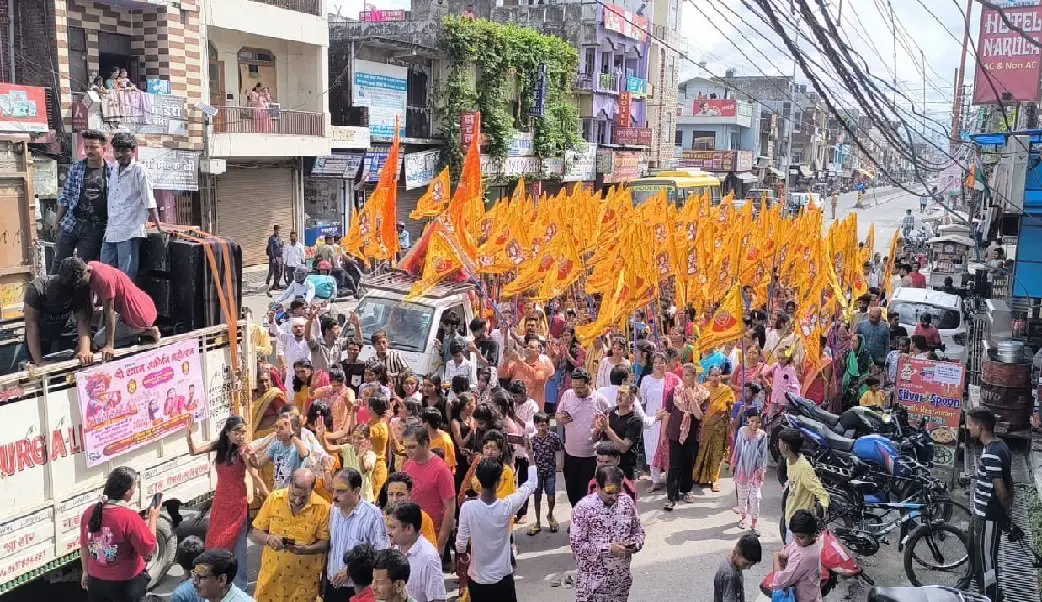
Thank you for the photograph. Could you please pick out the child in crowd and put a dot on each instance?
(875, 396)
(798, 565)
(187, 551)
(545, 445)
(728, 585)
(494, 446)
(440, 440)
(357, 453)
(608, 454)
(749, 465)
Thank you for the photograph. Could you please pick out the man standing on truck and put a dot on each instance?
(128, 312)
(49, 303)
(83, 204)
(131, 204)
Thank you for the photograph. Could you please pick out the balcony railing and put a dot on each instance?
(311, 7)
(597, 82)
(275, 121)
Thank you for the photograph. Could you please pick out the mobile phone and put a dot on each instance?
(157, 500)
(288, 541)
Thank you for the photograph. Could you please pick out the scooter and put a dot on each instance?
(836, 562)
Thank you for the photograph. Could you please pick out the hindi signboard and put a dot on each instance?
(171, 169)
(580, 165)
(383, 89)
(630, 136)
(22, 108)
(469, 126)
(715, 107)
(933, 390)
(624, 22)
(420, 168)
(141, 399)
(1008, 63)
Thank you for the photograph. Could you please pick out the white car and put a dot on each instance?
(946, 313)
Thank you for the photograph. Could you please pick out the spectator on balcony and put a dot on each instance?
(260, 98)
(83, 204)
(131, 204)
(124, 83)
(112, 83)
(97, 85)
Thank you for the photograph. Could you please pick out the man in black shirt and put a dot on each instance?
(623, 428)
(354, 370)
(83, 205)
(49, 304)
(896, 330)
(484, 347)
(992, 501)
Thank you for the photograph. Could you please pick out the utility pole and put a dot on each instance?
(792, 115)
(922, 55)
(960, 75)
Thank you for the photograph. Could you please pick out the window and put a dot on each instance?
(797, 120)
(605, 62)
(586, 130)
(78, 58)
(704, 143)
(114, 53)
(590, 60)
(786, 109)
(679, 140)
(736, 141)
(602, 128)
(408, 324)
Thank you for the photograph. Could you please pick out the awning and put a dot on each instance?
(339, 165)
(746, 177)
(777, 172)
(804, 172)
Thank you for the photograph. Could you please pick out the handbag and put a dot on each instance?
(784, 595)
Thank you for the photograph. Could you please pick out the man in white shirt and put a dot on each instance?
(485, 524)
(293, 256)
(352, 521)
(301, 287)
(294, 347)
(130, 204)
(618, 377)
(426, 582)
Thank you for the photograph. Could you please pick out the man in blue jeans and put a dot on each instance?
(131, 204)
(83, 204)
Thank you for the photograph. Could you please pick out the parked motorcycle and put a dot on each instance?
(929, 593)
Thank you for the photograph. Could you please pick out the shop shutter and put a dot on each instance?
(406, 204)
(249, 203)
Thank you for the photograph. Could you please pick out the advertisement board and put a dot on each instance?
(522, 145)
(374, 161)
(717, 160)
(636, 86)
(715, 107)
(469, 125)
(934, 390)
(1008, 64)
(580, 165)
(624, 22)
(349, 136)
(171, 169)
(625, 102)
(129, 403)
(630, 136)
(625, 166)
(420, 168)
(138, 112)
(22, 108)
(383, 88)
(382, 16)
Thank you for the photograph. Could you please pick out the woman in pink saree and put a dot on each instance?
(259, 99)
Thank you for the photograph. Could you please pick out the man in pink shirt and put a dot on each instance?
(128, 312)
(434, 489)
(534, 370)
(798, 565)
(578, 411)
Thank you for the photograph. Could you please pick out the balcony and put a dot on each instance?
(606, 83)
(311, 7)
(418, 122)
(272, 132)
(300, 21)
(717, 111)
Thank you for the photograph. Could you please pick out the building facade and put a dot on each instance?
(663, 68)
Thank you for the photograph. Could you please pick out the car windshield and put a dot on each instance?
(641, 193)
(910, 312)
(407, 324)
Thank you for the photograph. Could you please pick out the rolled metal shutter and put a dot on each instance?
(249, 203)
(406, 204)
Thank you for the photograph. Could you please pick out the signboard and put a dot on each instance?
(340, 165)
(623, 167)
(171, 169)
(511, 167)
(350, 136)
(382, 88)
(140, 113)
(469, 125)
(631, 136)
(1008, 64)
(718, 160)
(132, 402)
(420, 168)
(382, 16)
(22, 108)
(932, 389)
(580, 165)
(625, 102)
(636, 86)
(522, 145)
(45, 178)
(374, 162)
(538, 92)
(715, 107)
(622, 21)
(157, 86)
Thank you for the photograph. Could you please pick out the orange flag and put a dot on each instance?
(374, 234)
(434, 201)
(726, 325)
(467, 206)
(440, 263)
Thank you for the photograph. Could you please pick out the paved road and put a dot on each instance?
(683, 548)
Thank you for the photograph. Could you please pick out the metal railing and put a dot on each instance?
(418, 122)
(249, 120)
(311, 7)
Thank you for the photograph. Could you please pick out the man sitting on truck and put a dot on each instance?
(49, 303)
(128, 312)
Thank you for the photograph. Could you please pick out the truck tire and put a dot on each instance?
(166, 551)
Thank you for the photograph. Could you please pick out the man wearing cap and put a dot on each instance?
(130, 204)
(301, 287)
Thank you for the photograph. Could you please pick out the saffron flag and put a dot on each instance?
(434, 201)
(467, 207)
(891, 258)
(374, 235)
(726, 325)
(441, 262)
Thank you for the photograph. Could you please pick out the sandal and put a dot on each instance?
(715, 488)
(534, 530)
(669, 506)
(554, 526)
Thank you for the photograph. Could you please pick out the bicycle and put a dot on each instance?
(925, 536)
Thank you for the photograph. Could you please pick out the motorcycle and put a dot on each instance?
(929, 593)
(872, 448)
(836, 562)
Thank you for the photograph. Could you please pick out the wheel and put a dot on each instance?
(166, 551)
(938, 554)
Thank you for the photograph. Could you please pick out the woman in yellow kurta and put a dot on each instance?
(714, 431)
(291, 576)
(378, 436)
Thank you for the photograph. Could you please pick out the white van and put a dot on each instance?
(946, 312)
(412, 326)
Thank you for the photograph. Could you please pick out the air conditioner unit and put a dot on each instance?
(1012, 190)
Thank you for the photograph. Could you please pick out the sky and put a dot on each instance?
(726, 34)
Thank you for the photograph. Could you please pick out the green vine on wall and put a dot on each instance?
(506, 58)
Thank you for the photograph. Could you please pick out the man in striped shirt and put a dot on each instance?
(992, 501)
(352, 522)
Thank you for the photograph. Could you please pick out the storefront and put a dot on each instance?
(327, 192)
(734, 168)
(620, 167)
(251, 199)
(580, 167)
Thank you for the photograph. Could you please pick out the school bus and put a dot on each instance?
(679, 186)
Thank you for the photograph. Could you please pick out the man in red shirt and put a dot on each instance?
(928, 331)
(434, 489)
(359, 562)
(128, 311)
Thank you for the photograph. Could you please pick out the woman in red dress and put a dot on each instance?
(229, 511)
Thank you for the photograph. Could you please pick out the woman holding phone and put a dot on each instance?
(115, 541)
